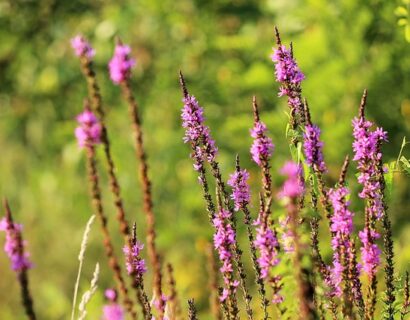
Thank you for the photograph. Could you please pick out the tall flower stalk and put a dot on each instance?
(120, 72)
(19, 257)
(88, 134)
(312, 146)
(241, 197)
(204, 149)
(261, 152)
(85, 52)
(292, 189)
(289, 75)
(367, 149)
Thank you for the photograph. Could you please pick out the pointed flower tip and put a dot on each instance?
(262, 146)
(82, 47)
(121, 64)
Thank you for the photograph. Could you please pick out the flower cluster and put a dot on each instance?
(120, 65)
(240, 188)
(266, 243)
(286, 68)
(224, 239)
(313, 148)
(370, 251)
(197, 133)
(89, 131)
(293, 186)
(288, 73)
(135, 264)
(14, 247)
(262, 146)
(366, 147)
(341, 227)
(113, 310)
(82, 47)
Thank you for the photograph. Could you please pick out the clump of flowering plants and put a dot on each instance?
(282, 231)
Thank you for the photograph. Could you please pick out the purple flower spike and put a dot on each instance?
(82, 47)
(266, 243)
(313, 147)
(262, 146)
(370, 251)
(135, 264)
(120, 65)
(224, 239)
(341, 227)
(366, 147)
(293, 186)
(89, 130)
(286, 67)
(14, 247)
(240, 188)
(289, 75)
(197, 133)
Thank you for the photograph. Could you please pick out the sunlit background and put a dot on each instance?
(223, 47)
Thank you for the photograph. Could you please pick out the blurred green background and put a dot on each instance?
(223, 48)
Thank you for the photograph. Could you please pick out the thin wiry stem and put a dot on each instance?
(99, 212)
(173, 300)
(97, 106)
(147, 193)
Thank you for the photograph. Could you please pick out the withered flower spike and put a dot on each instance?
(183, 84)
(342, 177)
(255, 109)
(277, 36)
(307, 112)
(363, 104)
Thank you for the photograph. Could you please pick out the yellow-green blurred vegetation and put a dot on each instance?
(223, 48)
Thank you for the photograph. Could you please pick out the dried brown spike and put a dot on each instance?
(8, 211)
(183, 84)
(307, 112)
(342, 177)
(363, 104)
(255, 109)
(277, 36)
(237, 165)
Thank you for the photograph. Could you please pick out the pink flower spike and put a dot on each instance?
(82, 47)
(120, 65)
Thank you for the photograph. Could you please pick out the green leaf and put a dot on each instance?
(405, 164)
(389, 175)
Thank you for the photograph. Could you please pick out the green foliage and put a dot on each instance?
(402, 12)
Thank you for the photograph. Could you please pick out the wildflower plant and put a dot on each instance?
(282, 231)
